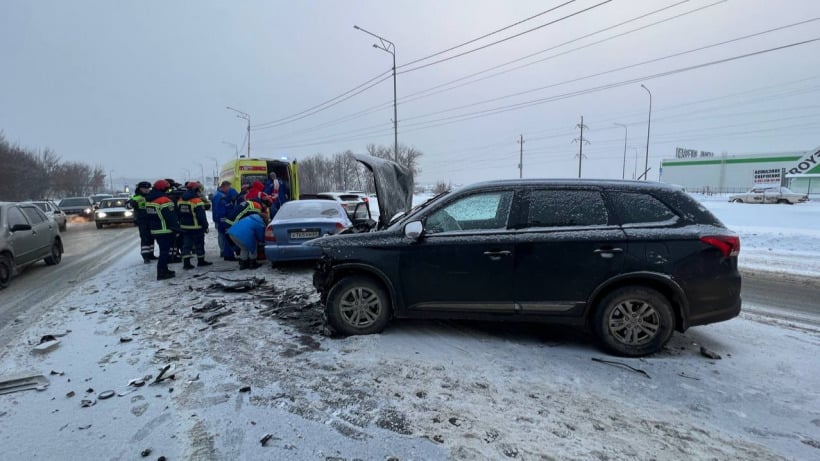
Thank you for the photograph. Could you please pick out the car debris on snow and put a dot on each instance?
(265, 438)
(166, 372)
(85, 403)
(23, 383)
(231, 285)
(621, 364)
(709, 354)
(47, 343)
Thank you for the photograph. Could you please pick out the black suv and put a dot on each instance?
(630, 260)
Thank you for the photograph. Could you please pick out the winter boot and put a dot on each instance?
(146, 260)
(166, 275)
(187, 263)
(243, 264)
(201, 262)
(253, 264)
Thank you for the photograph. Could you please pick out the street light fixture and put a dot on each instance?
(626, 134)
(648, 125)
(390, 47)
(247, 117)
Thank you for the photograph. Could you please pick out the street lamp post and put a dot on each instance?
(111, 180)
(247, 117)
(235, 147)
(216, 171)
(390, 47)
(648, 125)
(626, 134)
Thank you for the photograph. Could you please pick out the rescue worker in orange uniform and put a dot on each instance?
(162, 218)
(194, 225)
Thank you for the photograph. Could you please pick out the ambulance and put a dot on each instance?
(244, 171)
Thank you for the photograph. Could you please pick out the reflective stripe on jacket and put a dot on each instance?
(191, 211)
(161, 215)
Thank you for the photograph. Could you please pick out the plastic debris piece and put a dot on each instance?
(106, 395)
(46, 346)
(126, 339)
(265, 438)
(22, 383)
(709, 354)
(82, 428)
(245, 389)
(70, 394)
(87, 403)
(145, 453)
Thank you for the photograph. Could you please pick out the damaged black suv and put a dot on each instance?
(632, 261)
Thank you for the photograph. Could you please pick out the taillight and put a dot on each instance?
(269, 237)
(365, 200)
(729, 245)
(339, 227)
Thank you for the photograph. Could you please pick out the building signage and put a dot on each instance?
(692, 153)
(809, 162)
(768, 176)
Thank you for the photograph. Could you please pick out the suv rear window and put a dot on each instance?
(566, 208)
(640, 208)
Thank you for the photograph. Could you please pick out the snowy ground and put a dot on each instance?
(421, 390)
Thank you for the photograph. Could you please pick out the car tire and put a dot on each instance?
(6, 271)
(634, 321)
(358, 305)
(56, 254)
(99, 225)
(737, 200)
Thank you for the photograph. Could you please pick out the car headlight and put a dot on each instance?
(129, 213)
(87, 211)
(101, 214)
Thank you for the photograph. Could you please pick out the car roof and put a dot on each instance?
(604, 183)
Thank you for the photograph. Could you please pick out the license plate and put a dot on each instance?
(304, 235)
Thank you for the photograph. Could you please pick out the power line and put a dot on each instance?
(319, 107)
(526, 104)
(421, 94)
(486, 35)
(617, 69)
(412, 69)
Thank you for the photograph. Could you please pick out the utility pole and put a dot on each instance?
(648, 125)
(247, 117)
(581, 142)
(521, 156)
(626, 134)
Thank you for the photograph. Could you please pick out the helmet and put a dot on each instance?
(192, 185)
(142, 184)
(162, 185)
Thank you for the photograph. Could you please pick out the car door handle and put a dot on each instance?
(607, 253)
(496, 255)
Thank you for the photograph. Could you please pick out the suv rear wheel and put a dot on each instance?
(357, 305)
(634, 321)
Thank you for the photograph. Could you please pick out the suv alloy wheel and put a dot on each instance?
(358, 305)
(634, 321)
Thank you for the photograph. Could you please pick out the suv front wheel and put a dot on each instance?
(634, 321)
(357, 305)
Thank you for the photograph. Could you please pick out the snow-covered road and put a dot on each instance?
(421, 390)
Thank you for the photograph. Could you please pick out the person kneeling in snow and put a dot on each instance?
(247, 233)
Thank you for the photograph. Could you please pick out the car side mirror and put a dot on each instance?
(20, 227)
(413, 230)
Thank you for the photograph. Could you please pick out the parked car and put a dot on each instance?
(632, 261)
(769, 194)
(300, 221)
(96, 198)
(114, 211)
(77, 206)
(348, 200)
(53, 212)
(27, 235)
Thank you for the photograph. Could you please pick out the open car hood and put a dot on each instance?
(394, 186)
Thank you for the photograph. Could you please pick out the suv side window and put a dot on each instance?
(640, 208)
(485, 211)
(567, 208)
(16, 217)
(35, 216)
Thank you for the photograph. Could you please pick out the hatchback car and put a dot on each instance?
(632, 261)
(350, 200)
(77, 206)
(300, 221)
(53, 212)
(113, 211)
(27, 235)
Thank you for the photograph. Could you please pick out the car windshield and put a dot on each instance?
(417, 208)
(113, 203)
(41, 205)
(310, 210)
(75, 202)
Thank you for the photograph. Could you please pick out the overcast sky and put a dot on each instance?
(141, 87)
